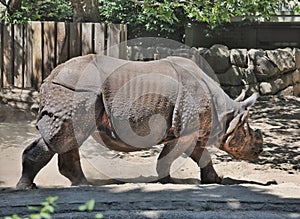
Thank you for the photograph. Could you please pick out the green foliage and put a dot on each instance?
(40, 10)
(168, 18)
(42, 212)
(89, 206)
(47, 208)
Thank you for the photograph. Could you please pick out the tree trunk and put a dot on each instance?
(13, 5)
(85, 10)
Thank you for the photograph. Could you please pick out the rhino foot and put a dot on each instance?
(83, 182)
(165, 180)
(25, 186)
(209, 175)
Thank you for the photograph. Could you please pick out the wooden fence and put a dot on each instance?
(30, 51)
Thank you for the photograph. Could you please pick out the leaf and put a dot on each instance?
(90, 205)
(98, 216)
(33, 208)
(45, 215)
(35, 216)
(82, 208)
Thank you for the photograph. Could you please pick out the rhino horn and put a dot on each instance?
(250, 101)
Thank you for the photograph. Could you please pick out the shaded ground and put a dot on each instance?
(277, 117)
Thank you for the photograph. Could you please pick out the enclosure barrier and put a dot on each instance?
(30, 51)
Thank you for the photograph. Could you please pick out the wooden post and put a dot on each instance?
(75, 40)
(1, 55)
(8, 63)
(34, 54)
(19, 59)
(116, 41)
(49, 61)
(62, 39)
(99, 38)
(86, 41)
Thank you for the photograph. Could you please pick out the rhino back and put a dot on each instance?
(84, 73)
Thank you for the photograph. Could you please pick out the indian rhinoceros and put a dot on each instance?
(129, 106)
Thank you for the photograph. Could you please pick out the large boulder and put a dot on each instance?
(238, 57)
(262, 66)
(218, 58)
(283, 59)
(237, 76)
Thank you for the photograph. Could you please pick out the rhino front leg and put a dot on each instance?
(70, 167)
(202, 157)
(34, 158)
(169, 154)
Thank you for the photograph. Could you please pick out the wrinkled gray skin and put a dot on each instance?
(171, 102)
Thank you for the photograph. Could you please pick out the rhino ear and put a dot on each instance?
(250, 101)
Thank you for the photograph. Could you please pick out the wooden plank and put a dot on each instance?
(62, 39)
(87, 41)
(8, 64)
(49, 61)
(75, 40)
(116, 34)
(34, 54)
(27, 55)
(99, 38)
(1, 55)
(18, 56)
(123, 41)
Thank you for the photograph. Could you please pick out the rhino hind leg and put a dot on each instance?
(34, 158)
(202, 157)
(70, 167)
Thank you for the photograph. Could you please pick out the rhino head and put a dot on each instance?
(240, 140)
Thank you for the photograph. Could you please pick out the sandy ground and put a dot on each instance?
(277, 117)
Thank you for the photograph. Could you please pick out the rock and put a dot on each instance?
(238, 57)
(218, 58)
(262, 66)
(19, 98)
(236, 76)
(289, 91)
(296, 76)
(283, 59)
(297, 89)
(265, 88)
(277, 85)
(297, 58)
(12, 114)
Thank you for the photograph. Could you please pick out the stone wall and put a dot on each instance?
(267, 71)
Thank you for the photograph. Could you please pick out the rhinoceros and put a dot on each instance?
(132, 105)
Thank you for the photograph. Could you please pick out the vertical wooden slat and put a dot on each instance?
(123, 39)
(86, 41)
(99, 38)
(8, 55)
(49, 46)
(18, 56)
(75, 40)
(1, 55)
(115, 34)
(27, 56)
(62, 47)
(34, 54)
